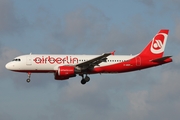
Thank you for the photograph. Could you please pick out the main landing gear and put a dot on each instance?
(85, 80)
(28, 79)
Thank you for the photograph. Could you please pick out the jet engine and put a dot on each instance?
(65, 72)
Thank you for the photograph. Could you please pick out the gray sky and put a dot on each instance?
(89, 27)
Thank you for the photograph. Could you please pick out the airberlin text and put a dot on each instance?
(56, 60)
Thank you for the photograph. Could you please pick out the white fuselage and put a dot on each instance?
(50, 63)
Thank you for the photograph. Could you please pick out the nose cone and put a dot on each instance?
(9, 66)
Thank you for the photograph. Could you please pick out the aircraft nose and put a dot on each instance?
(9, 66)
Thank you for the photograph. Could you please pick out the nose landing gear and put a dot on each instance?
(28, 79)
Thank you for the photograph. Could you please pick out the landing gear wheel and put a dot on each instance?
(87, 79)
(29, 75)
(83, 81)
(28, 80)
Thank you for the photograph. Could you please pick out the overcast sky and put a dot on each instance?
(89, 27)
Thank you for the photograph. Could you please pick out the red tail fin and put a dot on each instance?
(155, 48)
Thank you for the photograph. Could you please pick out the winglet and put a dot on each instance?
(112, 53)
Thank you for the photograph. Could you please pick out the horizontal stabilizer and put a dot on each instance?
(161, 59)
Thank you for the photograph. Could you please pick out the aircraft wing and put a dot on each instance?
(94, 62)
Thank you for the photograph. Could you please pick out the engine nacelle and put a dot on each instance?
(65, 72)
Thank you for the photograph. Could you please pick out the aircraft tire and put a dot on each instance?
(83, 81)
(28, 80)
(87, 79)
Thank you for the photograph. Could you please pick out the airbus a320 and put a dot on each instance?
(68, 66)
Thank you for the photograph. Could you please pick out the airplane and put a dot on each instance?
(67, 66)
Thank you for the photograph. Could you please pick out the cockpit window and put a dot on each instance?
(16, 59)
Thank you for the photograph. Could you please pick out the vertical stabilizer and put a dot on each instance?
(156, 47)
